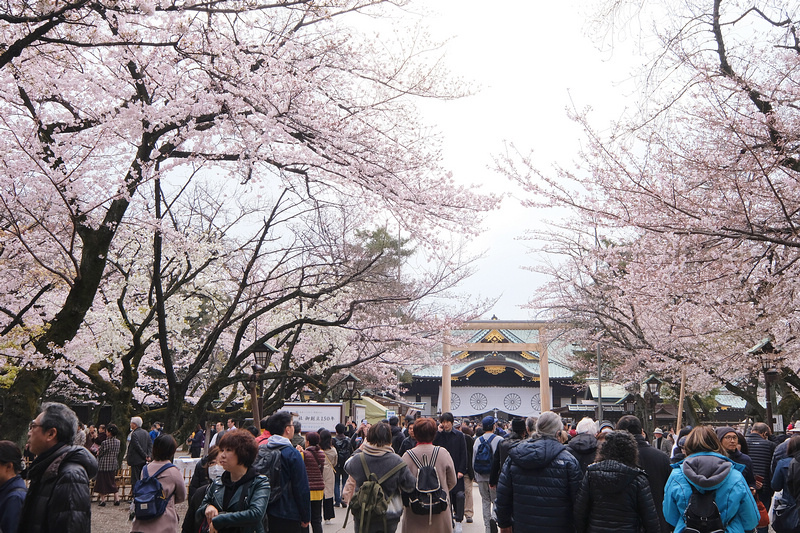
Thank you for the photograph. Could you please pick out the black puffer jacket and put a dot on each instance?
(58, 498)
(584, 447)
(538, 485)
(615, 498)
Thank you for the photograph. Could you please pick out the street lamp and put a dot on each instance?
(767, 349)
(653, 385)
(350, 385)
(262, 353)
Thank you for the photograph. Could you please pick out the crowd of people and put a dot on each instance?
(534, 475)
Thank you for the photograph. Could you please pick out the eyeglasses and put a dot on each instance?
(730, 437)
(34, 425)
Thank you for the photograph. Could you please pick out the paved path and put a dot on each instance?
(110, 519)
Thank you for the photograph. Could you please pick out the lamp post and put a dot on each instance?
(350, 390)
(653, 385)
(766, 349)
(262, 354)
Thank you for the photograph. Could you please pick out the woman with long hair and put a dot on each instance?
(107, 466)
(314, 459)
(328, 473)
(706, 469)
(615, 494)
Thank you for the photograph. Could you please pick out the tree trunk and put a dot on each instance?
(22, 402)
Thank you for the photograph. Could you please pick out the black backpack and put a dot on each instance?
(343, 450)
(428, 496)
(702, 514)
(484, 455)
(269, 462)
(149, 500)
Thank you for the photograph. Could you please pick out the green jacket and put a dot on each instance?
(242, 515)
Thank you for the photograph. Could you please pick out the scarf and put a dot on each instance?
(376, 451)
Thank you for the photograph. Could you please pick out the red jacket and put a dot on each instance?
(315, 461)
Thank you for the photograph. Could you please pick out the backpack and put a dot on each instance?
(269, 462)
(370, 501)
(428, 496)
(484, 455)
(344, 450)
(149, 501)
(702, 514)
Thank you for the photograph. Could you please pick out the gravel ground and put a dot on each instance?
(110, 519)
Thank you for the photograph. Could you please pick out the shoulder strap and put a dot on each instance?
(367, 473)
(483, 441)
(492, 436)
(160, 470)
(398, 467)
(434, 455)
(414, 458)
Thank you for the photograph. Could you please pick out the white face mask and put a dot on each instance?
(214, 471)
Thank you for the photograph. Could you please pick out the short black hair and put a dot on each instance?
(263, 422)
(619, 446)
(446, 417)
(253, 430)
(276, 424)
(164, 448)
(631, 424)
(393, 420)
(10, 453)
(340, 428)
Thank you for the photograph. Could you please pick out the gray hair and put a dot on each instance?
(530, 424)
(587, 425)
(549, 423)
(137, 420)
(61, 418)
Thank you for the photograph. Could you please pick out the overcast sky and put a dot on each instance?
(530, 61)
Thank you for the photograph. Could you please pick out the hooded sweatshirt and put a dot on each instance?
(537, 487)
(709, 471)
(615, 498)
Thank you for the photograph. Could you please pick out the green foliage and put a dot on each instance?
(8, 374)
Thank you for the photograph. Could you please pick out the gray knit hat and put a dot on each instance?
(549, 423)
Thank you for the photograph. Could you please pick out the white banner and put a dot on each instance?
(517, 401)
(313, 416)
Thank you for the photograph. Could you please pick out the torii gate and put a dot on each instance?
(540, 347)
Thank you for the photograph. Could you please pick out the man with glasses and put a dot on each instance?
(58, 498)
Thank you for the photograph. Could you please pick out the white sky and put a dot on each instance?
(530, 61)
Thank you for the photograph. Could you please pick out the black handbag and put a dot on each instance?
(786, 517)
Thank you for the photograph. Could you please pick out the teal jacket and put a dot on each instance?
(245, 514)
(711, 471)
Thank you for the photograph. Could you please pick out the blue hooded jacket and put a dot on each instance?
(708, 471)
(12, 496)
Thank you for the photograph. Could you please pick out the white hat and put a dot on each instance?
(658, 431)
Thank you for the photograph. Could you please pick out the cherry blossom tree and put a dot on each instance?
(682, 247)
(107, 107)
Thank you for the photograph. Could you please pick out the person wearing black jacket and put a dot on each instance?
(761, 451)
(455, 443)
(652, 461)
(584, 445)
(615, 496)
(58, 498)
(517, 434)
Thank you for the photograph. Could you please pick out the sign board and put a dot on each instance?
(390, 414)
(778, 425)
(313, 416)
(361, 412)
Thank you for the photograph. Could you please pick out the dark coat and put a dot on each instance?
(243, 514)
(655, 463)
(454, 442)
(139, 448)
(743, 459)
(12, 496)
(615, 498)
(294, 502)
(58, 497)
(584, 447)
(407, 444)
(500, 456)
(538, 485)
(760, 451)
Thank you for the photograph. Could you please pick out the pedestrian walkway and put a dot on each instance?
(112, 519)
